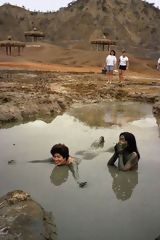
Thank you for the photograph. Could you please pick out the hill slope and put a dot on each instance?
(129, 22)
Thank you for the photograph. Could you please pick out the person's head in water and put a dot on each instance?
(129, 140)
(101, 139)
(60, 154)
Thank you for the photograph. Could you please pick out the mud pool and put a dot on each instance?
(114, 205)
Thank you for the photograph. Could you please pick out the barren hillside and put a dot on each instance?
(132, 23)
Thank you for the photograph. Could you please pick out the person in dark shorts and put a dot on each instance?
(158, 64)
(126, 152)
(123, 65)
(110, 65)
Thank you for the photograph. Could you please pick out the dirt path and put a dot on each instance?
(45, 67)
(34, 66)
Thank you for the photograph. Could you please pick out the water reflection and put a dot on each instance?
(87, 154)
(145, 122)
(42, 122)
(158, 123)
(60, 174)
(109, 114)
(123, 182)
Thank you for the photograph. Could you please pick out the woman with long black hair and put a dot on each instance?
(126, 152)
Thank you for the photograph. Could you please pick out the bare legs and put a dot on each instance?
(109, 76)
(121, 75)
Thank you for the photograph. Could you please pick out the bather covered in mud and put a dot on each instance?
(126, 152)
(64, 162)
(60, 156)
(92, 152)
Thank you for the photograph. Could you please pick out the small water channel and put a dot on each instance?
(114, 205)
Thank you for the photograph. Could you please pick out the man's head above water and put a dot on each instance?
(60, 154)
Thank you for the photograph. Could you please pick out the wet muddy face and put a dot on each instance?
(59, 160)
(122, 143)
(122, 140)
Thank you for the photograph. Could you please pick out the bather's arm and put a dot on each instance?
(113, 159)
(48, 160)
(132, 161)
(75, 173)
(74, 170)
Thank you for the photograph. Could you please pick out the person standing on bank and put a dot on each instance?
(111, 61)
(123, 65)
(158, 65)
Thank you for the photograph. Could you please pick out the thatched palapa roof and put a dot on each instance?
(103, 41)
(11, 43)
(34, 33)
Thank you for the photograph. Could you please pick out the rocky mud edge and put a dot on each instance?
(28, 95)
(22, 218)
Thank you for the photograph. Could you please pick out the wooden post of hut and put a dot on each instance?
(102, 42)
(19, 50)
(10, 49)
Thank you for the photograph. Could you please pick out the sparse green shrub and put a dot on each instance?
(153, 30)
(21, 18)
(33, 13)
(81, 7)
(104, 9)
(145, 10)
(136, 13)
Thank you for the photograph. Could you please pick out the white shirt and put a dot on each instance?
(111, 60)
(159, 61)
(123, 61)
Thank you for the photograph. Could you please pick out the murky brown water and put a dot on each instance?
(114, 205)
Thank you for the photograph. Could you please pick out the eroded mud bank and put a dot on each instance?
(27, 95)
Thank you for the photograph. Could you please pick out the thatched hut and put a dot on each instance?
(34, 35)
(102, 42)
(10, 44)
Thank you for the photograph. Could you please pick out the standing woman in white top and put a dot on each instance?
(158, 65)
(123, 65)
(111, 61)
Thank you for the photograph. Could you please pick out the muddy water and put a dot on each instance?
(114, 205)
